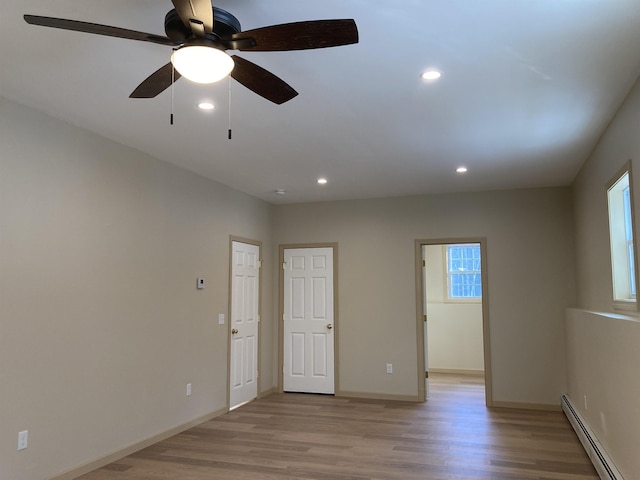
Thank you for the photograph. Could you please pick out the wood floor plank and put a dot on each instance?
(452, 436)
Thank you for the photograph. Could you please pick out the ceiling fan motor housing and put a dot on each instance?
(224, 25)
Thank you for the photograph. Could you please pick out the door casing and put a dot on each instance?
(420, 308)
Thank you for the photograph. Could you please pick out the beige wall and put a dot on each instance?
(454, 328)
(530, 274)
(602, 361)
(603, 352)
(101, 324)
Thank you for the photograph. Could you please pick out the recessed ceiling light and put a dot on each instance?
(280, 191)
(431, 75)
(461, 169)
(322, 181)
(206, 106)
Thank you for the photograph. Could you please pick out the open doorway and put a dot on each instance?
(453, 323)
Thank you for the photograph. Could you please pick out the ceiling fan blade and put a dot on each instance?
(97, 29)
(301, 35)
(156, 83)
(261, 81)
(195, 14)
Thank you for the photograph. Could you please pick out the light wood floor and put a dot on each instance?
(313, 437)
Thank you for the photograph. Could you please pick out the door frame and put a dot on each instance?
(420, 309)
(257, 243)
(336, 323)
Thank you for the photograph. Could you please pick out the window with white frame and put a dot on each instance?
(623, 269)
(464, 276)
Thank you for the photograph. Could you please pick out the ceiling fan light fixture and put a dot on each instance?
(202, 64)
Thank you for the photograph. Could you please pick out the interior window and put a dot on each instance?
(464, 278)
(619, 196)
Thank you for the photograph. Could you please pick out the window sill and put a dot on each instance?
(464, 300)
(625, 306)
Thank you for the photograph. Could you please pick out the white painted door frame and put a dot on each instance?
(421, 308)
(245, 293)
(334, 323)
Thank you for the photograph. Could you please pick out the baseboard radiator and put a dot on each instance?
(601, 461)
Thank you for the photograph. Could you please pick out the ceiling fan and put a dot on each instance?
(201, 33)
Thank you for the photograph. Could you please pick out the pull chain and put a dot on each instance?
(173, 81)
(229, 107)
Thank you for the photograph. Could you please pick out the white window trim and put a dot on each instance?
(447, 292)
(623, 301)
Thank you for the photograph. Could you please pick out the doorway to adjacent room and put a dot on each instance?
(452, 320)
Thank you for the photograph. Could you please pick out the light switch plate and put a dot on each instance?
(200, 283)
(221, 319)
(23, 439)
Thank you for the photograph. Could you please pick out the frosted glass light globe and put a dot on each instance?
(202, 64)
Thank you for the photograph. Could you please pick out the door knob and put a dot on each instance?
(329, 326)
(234, 331)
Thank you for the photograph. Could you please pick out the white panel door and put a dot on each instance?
(245, 276)
(308, 320)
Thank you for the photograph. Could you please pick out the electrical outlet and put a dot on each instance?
(23, 439)
(389, 368)
(188, 389)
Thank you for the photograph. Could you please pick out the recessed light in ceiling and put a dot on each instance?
(461, 169)
(431, 75)
(280, 191)
(206, 106)
(322, 181)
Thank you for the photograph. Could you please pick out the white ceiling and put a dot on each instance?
(527, 89)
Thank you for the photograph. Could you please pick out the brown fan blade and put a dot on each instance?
(157, 82)
(301, 35)
(195, 14)
(261, 81)
(97, 29)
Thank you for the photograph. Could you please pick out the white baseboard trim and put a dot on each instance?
(457, 371)
(116, 455)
